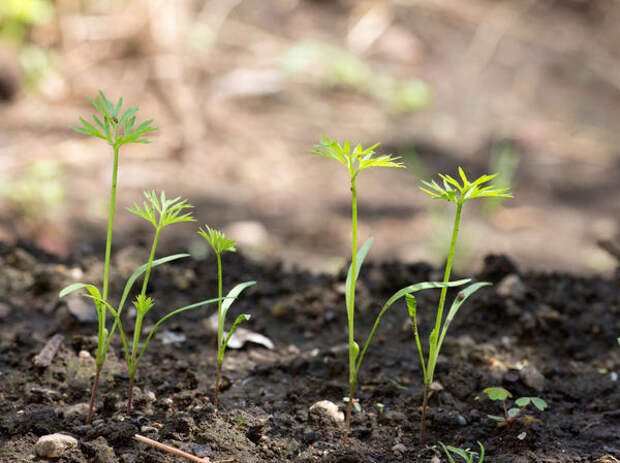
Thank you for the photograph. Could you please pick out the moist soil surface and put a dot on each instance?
(549, 335)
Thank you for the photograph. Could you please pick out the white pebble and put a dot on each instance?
(54, 445)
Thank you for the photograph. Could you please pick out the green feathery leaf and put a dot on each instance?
(217, 239)
(467, 190)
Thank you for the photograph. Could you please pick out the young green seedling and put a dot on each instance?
(219, 243)
(454, 192)
(117, 128)
(355, 161)
(467, 455)
(511, 414)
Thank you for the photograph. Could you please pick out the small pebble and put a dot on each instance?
(511, 286)
(532, 377)
(399, 449)
(462, 420)
(77, 410)
(328, 408)
(54, 445)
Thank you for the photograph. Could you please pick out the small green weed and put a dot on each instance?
(511, 414)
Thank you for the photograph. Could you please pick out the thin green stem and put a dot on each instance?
(220, 320)
(351, 313)
(147, 274)
(106, 266)
(108, 244)
(442, 298)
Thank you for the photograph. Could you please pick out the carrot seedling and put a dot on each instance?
(454, 192)
(220, 244)
(117, 128)
(160, 212)
(355, 161)
(511, 414)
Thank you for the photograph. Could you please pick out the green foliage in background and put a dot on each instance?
(17, 17)
(332, 67)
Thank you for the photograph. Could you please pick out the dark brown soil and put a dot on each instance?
(562, 326)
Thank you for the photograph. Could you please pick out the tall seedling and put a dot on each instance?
(117, 127)
(220, 244)
(454, 192)
(355, 161)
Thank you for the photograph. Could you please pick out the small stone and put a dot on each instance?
(399, 449)
(328, 408)
(462, 420)
(85, 356)
(436, 386)
(512, 287)
(54, 445)
(81, 309)
(532, 377)
(522, 436)
(77, 410)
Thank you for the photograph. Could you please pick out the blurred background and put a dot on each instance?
(243, 89)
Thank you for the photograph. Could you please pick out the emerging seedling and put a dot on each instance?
(219, 243)
(355, 161)
(117, 128)
(511, 414)
(160, 212)
(467, 455)
(456, 193)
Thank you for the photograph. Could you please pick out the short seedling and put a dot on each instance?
(456, 193)
(219, 243)
(511, 414)
(117, 128)
(467, 455)
(355, 161)
(160, 212)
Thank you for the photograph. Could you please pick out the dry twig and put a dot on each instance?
(169, 449)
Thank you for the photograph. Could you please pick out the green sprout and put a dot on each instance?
(467, 455)
(511, 414)
(117, 127)
(220, 244)
(456, 193)
(160, 212)
(355, 161)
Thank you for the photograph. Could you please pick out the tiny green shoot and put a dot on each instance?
(467, 455)
(511, 414)
(457, 193)
(356, 160)
(220, 244)
(117, 127)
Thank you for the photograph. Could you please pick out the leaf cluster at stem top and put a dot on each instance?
(468, 190)
(114, 125)
(358, 159)
(162, 211)
(217, 239)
